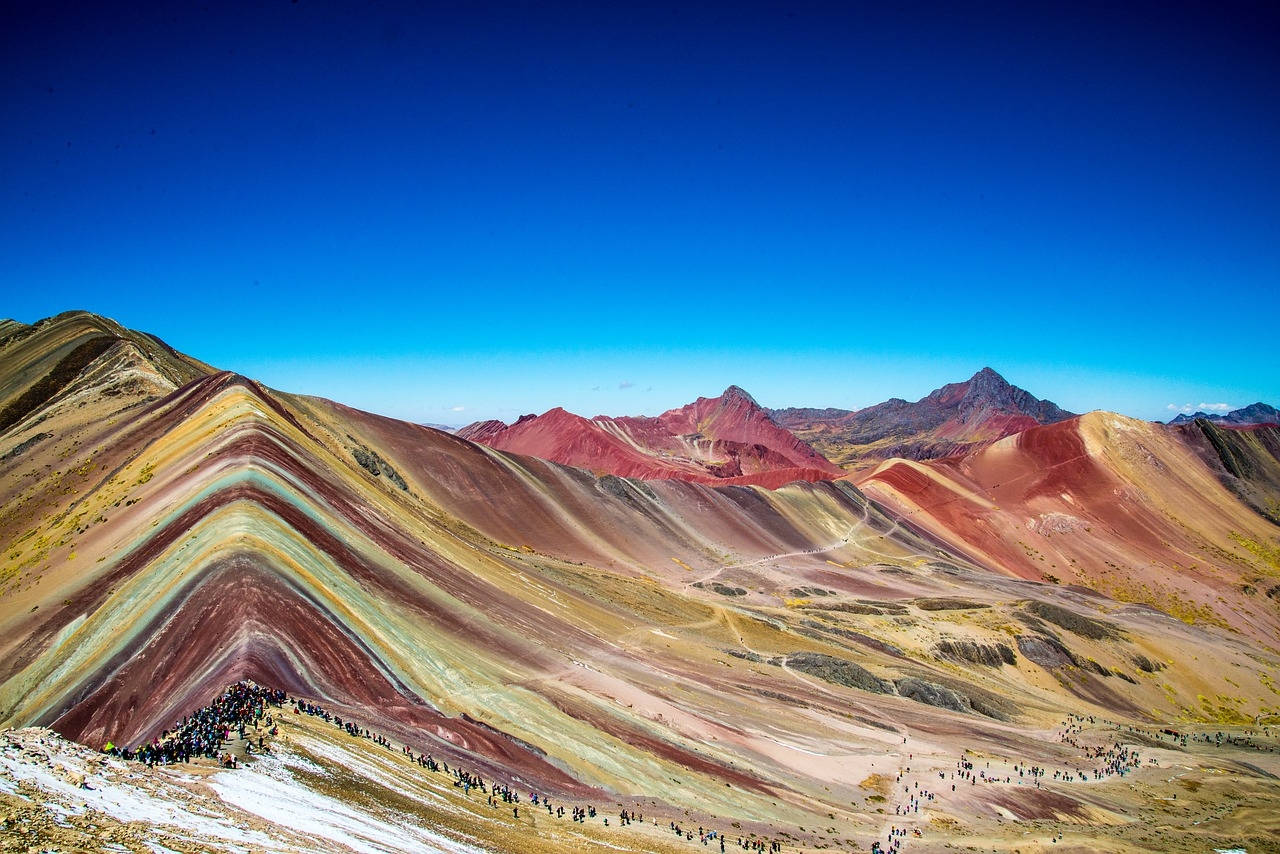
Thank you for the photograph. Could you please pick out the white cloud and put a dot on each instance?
(1191, 408)
(457, 409)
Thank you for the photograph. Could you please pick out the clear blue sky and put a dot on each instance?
(507, 207)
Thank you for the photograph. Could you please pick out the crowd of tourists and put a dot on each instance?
(204, 732)
(1245, 740)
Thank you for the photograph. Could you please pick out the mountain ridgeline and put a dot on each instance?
(956, 418)
(1245, 416)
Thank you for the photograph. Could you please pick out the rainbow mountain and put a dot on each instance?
(741, 653)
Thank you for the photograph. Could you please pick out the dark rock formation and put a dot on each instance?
(838, 671)
(972, 652)
(1086, 627)
(1045, 651)
(932, 694)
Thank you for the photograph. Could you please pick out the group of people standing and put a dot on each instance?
(204, 732)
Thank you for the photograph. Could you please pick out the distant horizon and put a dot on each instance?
(361, 397)
(452, 213)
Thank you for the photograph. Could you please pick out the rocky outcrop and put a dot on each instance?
(972, 652)
(371, 462)
(948, 604)
(1045, 651)
(932, 694)
(838, 671)
(1086, 627)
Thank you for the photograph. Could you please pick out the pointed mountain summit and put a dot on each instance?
(953, 419)
(987, 393)
(729, 438)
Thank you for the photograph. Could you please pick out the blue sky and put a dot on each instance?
(508, 207)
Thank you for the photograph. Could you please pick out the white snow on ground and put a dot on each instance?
(123, 791)
(271, 792)
(260, 806)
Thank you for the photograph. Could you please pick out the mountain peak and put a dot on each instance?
(713, 439)
(734, 392)
(989, 374)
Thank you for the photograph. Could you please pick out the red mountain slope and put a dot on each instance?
(725, 439)
(1125, 507)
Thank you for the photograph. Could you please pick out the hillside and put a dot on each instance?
(1124, 507)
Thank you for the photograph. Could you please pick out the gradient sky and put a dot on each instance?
(453, 211)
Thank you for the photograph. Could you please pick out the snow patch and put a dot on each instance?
(270, 791)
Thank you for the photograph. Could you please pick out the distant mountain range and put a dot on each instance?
(725, 439)
(953, 419)
(1246, 416)
(732, 439)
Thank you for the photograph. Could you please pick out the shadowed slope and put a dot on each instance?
(1246, 460)
(42, 360)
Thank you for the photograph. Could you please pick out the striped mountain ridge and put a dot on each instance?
(252, 561)
(595, 636)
